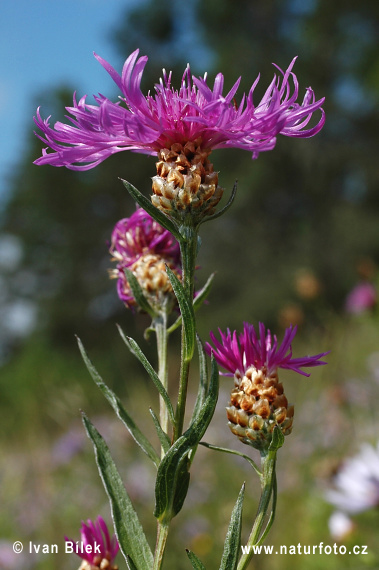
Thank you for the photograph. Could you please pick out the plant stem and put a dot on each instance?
(160, 326)
(188, 248)
(268, 489)
(160, 545)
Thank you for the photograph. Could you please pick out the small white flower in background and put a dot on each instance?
(357, 482)
(340, 525)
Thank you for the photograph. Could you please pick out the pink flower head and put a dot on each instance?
(194, 112)
(95, 543)
(361, 298)
(237, 354)
(138, 236)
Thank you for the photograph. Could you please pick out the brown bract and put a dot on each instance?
(185, 181)
(257, 405)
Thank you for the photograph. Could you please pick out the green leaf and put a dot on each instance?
(197, 302)
(163, 437)
(188, 315)
(277, 439)
(196, 563)
(203, 293)
(225, 208)
(156, 214)
(232, 545)
(135, 349)
(203, 373)
(233, 452)
(140, 298)
(116, 404)
(172, 477)
(130, 535)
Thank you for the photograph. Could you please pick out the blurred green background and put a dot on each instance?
(301, 234)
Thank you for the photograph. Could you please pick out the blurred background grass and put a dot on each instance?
(301, 233)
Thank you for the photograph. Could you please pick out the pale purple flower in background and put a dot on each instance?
(96, 534)
(238, 353)
(194, 112)
(356, 485)
(361, 298)
(137, 238)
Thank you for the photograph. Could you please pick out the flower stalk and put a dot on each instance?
(160, 326)
(268, 494)
(188, 248)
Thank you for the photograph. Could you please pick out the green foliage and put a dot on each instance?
(130, 535)
(232, 546)
(172, 478)
(116, 404)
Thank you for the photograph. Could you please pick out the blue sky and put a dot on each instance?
(45, 43)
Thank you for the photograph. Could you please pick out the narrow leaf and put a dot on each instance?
(168, 500)
(156, 214)
(135, 349)
(232, 545)
(277, 439)
(196, 563)
(203, 293)
(187, 312)
(203, 373)
(116, 404)
(140, 298)
(129, 531)
(163, 437)
(197, 302)
(225, 208)
(233, 452)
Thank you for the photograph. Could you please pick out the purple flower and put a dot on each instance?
(96, 546)
(194, 112)
(238, 354)
(144, 246)
(361, 298)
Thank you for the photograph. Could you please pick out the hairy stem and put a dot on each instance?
(268, 490)
(160, 326)
(160, 545)
(188, 248)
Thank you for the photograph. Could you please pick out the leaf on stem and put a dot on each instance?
(173, 477)
(277, 439)
(163, 437)
(197, 302)
(156, 214)
(233, 452)
(225, 208)
(116, 404)
(196, 563)
(203, 384)
(232, 546)
(137, 352)
(130, 534)
(188, 316)
(138, 295)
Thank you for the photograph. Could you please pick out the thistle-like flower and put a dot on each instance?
(181, 127)
(96, 548)
(142, 245)
(258, 402)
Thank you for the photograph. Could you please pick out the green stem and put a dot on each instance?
(160, 545)
(188, 248)
(160, 326)
(268, 490)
